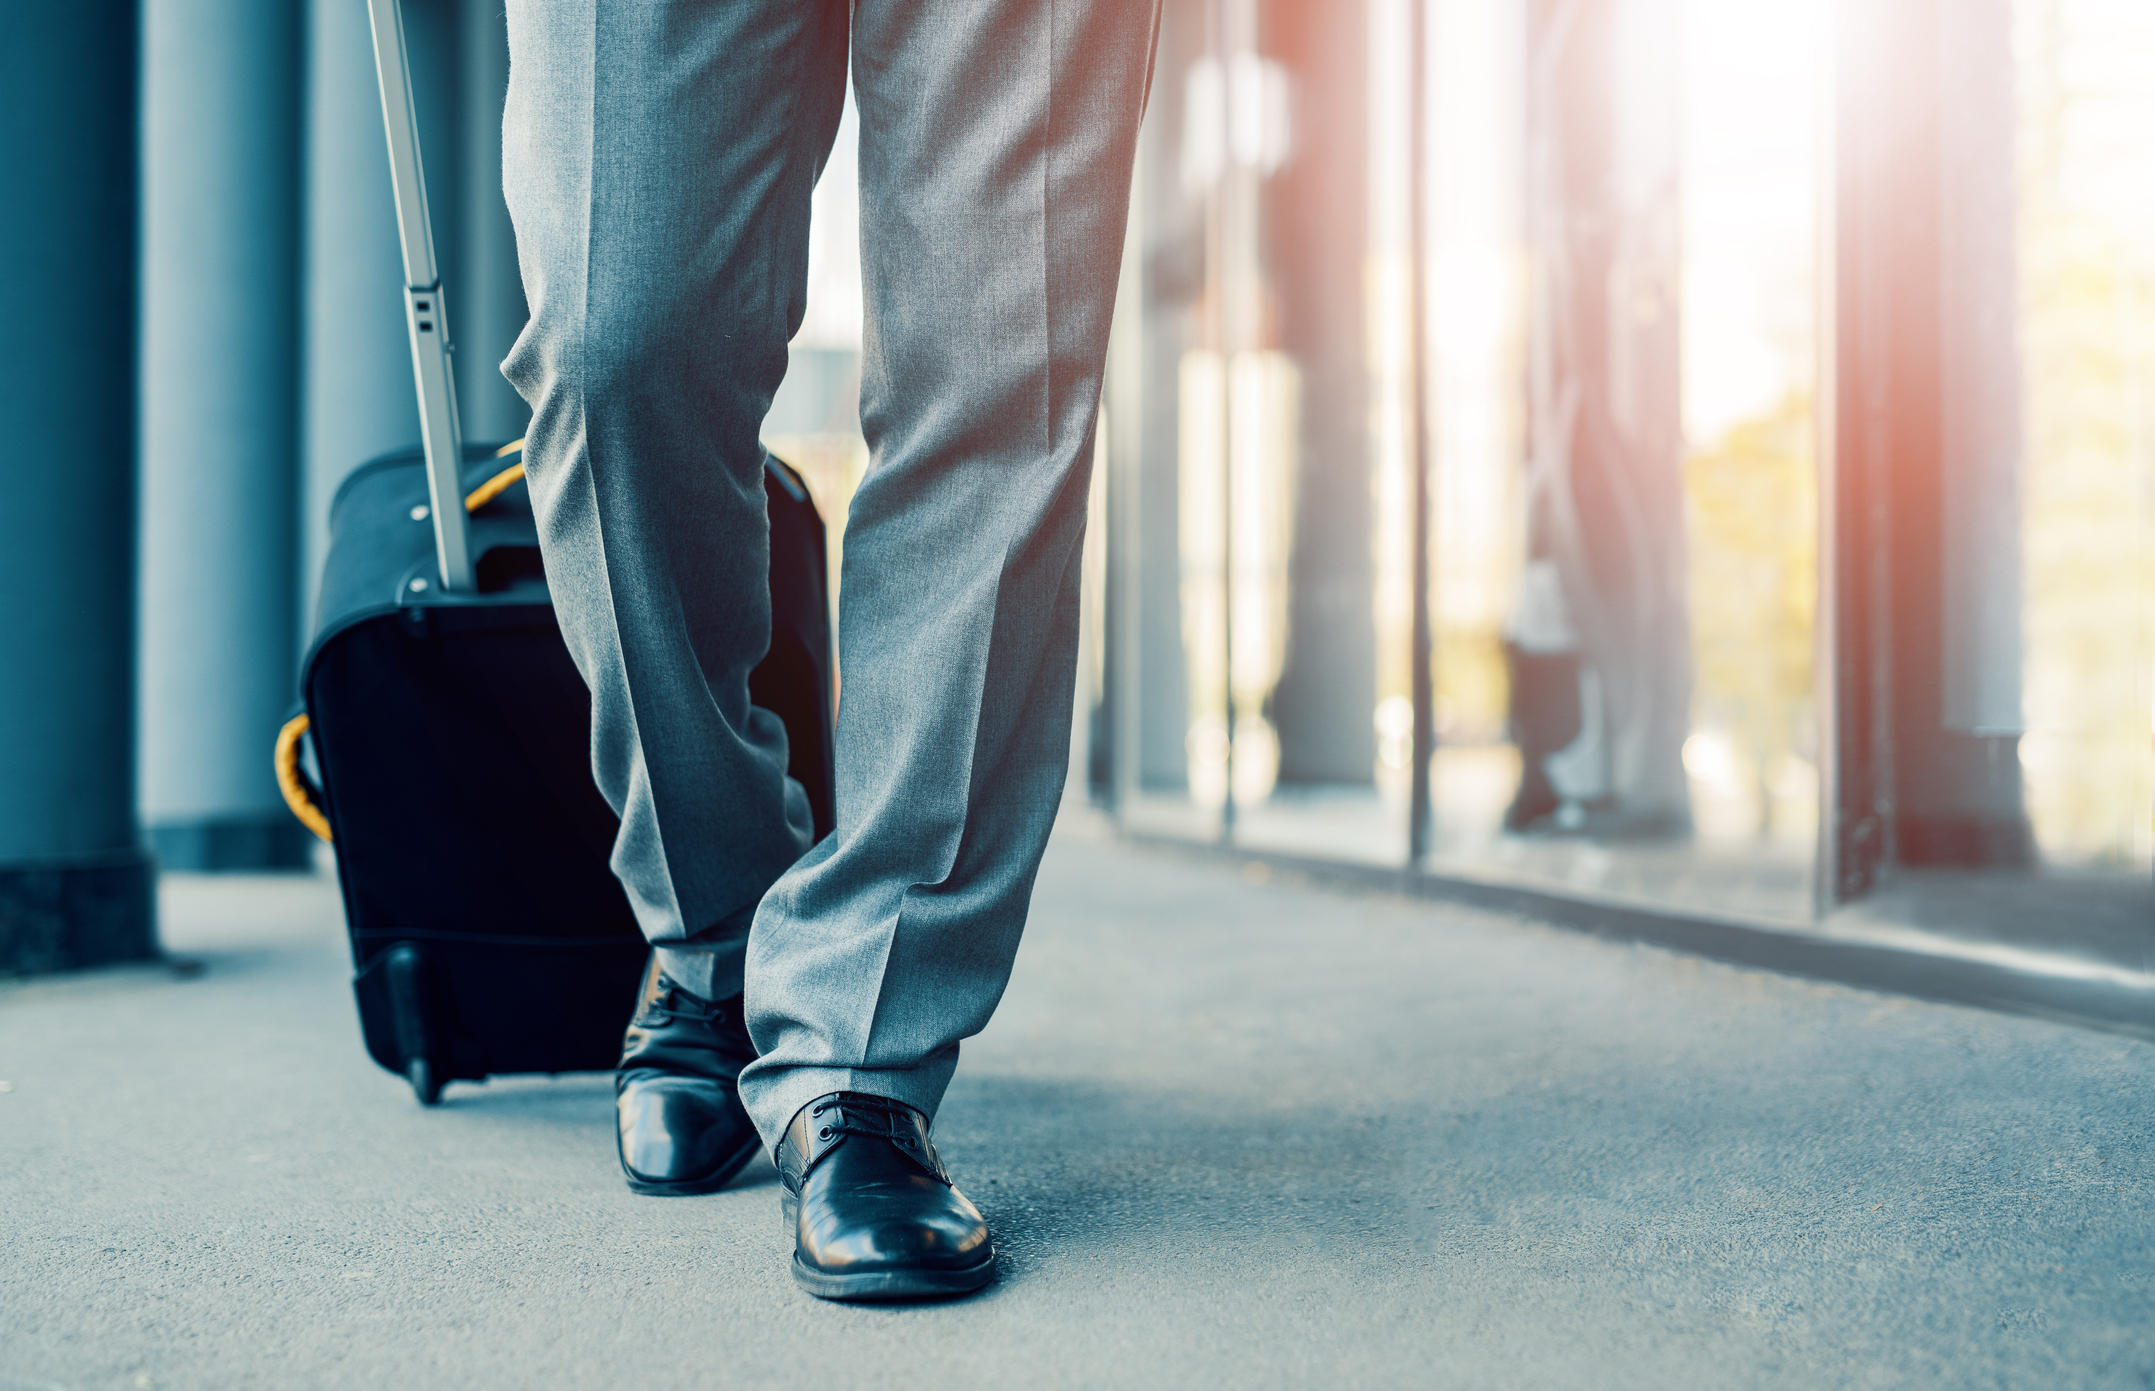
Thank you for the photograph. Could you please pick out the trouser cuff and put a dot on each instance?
(713, 974)
(710, 963)
(775, 1094)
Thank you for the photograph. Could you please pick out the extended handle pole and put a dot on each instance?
(426, 318)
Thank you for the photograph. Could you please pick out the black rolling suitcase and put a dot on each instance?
(451, 732)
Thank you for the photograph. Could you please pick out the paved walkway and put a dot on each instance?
(1229, 1134)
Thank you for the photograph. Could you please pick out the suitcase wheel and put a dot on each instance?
(425, 1085)
(415, 997)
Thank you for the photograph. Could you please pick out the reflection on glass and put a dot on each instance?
(2087, 261)
(1235, 531)
(1477, 307)
(1625, 531)
(1750, 478)
(1636, 465)
(1388, 308)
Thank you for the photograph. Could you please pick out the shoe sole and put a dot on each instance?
(878, 1285)
(693, 1187)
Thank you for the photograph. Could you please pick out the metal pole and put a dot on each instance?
(1420, 814)
(1218, 258)
(75, 884)
(1125, 458)
(489, 292)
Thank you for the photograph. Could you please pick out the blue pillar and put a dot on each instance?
(220, 438)
(75, 884)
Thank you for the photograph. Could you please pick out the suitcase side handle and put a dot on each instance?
(300, 793)
(426, 319)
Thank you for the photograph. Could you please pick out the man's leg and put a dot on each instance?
(996, 151)
(658, 160)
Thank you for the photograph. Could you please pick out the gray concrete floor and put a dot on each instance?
(1229, 1133)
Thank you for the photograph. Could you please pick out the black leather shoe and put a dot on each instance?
(681, 1128)
(871, 1210)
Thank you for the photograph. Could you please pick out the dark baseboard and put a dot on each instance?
(63, 916)
(257, 844)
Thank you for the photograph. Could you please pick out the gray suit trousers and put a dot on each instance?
(658, 160)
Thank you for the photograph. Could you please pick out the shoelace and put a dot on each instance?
(892, 1113)
(669, 1005)
(848, 1104)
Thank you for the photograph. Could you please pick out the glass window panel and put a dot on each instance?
(1624, 539)
(2087, 266)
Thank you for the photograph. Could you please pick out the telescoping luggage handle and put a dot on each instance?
(426, 318)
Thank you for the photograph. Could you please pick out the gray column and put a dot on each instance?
(75, 885)
(220, 337)
(1316, 237)
(1124, 396)
(1172, 238)
(488, 295)
(357, 367)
